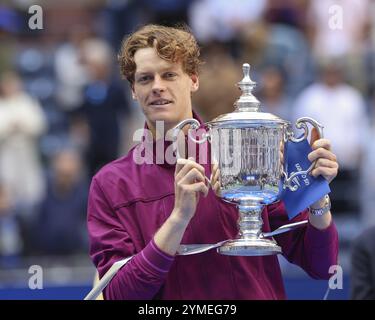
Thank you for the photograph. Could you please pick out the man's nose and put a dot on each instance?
(158, 85)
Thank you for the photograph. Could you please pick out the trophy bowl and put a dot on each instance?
(249, 148)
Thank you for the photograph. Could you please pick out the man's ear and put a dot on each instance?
(194, 82)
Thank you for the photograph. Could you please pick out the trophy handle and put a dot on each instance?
(194, 125)
(301, 124)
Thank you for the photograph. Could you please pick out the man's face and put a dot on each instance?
(162, 89)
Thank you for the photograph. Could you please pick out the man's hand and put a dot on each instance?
(326, 164)
(215, 179)
(189, 182)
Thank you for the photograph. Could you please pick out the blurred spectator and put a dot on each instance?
(61, 223)
(10, 233)
(363, 266)
(22, 123)
(337, 29)
(221, 20)
(272, 95)
(104, 106)
(367, 174)
(67, 57)
(341, 109)
(282, 45)
(217, 90)
(10, 23)
(290, 12)
(167, 12)
(367, 59)
(121, 17)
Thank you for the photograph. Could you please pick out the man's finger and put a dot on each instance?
(186, 166)
(217, 175)
(216, 188)
(214, 167)
(321, 162)
(181, 162)
(193, 176)
(198, 187)
(321, 153)
(322, 143)
(179, 165)
(314, 136)
(327, 173)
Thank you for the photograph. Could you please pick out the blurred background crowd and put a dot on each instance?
(65, 111)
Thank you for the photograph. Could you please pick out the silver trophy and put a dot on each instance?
(249, 148)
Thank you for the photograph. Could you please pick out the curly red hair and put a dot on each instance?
(174, 44)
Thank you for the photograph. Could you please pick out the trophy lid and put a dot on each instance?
(247, 107)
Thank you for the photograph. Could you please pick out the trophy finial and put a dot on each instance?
(247, 102)
(246, 81)
(246, 71)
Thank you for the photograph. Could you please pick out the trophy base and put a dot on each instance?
(249, 247)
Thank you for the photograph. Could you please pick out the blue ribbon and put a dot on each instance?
(310, 189)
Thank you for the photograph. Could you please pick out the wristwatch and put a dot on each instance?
(324, 209)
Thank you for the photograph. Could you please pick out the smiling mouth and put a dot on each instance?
(160, 102)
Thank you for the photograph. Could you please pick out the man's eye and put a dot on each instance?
(144, 79)
(170, 75)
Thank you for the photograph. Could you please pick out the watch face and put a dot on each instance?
(325, 208)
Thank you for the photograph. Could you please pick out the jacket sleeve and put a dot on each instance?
(312, 249)
(144, 274)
